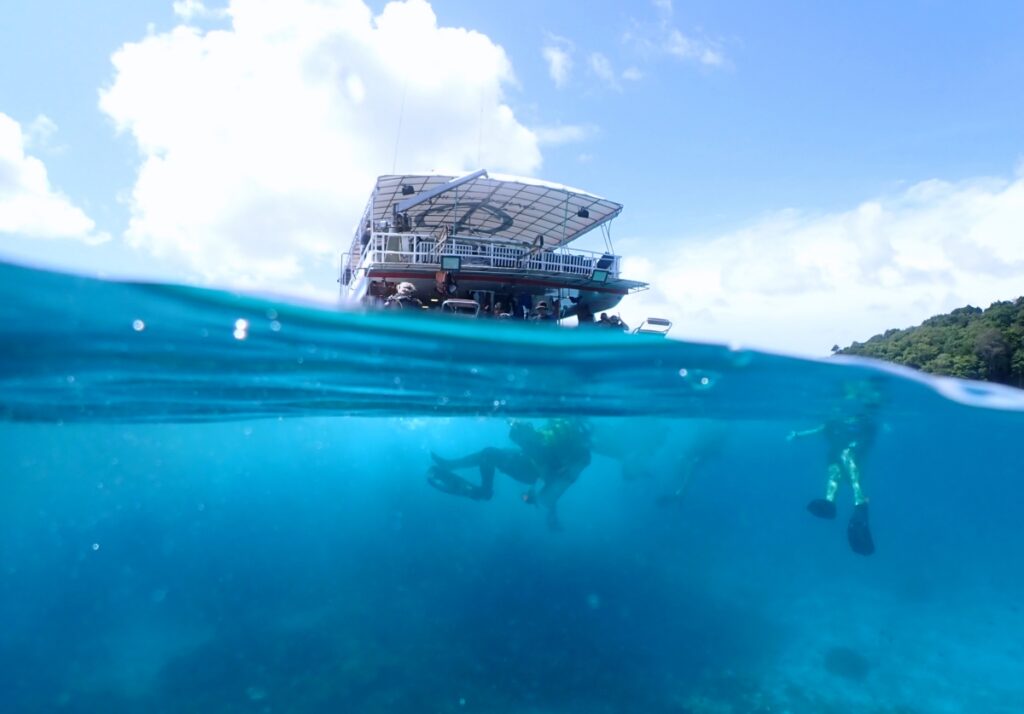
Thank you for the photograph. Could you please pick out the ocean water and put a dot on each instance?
(215, 503)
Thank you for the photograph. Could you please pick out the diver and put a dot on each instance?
(849, 435)
(707, 446)
(404, 298)
(553, 455)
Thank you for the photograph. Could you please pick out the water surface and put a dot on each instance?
(218, 503)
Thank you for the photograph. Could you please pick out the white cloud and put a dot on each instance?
(801, 283)
(564, 134)
(679, 45)
(260, 142)
(558, 54)
(663, 38)
(29, 206)
(194, 9)
(40, 132)
(601, 66)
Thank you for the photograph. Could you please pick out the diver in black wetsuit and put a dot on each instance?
(554, 455)
(849, 436)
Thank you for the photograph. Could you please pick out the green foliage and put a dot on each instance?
(969, 342)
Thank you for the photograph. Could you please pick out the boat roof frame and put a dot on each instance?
(512, 209)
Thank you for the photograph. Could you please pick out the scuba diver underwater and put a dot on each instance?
(849, 434)
(548, 459)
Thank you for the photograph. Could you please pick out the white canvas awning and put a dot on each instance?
(501, 208)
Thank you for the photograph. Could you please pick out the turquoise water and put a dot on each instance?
(218, 503)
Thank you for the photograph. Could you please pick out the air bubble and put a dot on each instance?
(138, 325)
(683, 372)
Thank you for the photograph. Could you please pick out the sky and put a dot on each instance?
(795, 175)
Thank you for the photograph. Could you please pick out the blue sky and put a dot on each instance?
(794, 175)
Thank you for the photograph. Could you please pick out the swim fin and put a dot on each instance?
(858, 531)
(448, 481)
(440, 461)
(822, 508)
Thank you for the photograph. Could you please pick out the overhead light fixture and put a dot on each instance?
(599, 276)
(451, 263)
(407, 189)
(583, 213)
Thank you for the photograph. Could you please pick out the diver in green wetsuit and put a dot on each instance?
(849, 435)
(553, 455)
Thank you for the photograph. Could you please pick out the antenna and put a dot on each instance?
(398, 133)
(480, 134)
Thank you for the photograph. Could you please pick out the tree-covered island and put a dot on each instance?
(969, 342)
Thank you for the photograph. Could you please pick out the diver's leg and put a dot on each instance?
(450, 482)
(554, 486)
(509, 461)
(853, 471)
(826, 507)
(858, 530)
(462, 462)
(552, 520)
(443, 477)
(516, 464)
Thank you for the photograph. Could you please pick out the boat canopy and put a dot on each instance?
(500, 208)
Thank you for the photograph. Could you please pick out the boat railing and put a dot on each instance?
(477, 254)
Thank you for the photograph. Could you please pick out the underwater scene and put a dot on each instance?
(221, 503)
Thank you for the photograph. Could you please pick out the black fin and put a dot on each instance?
(822, 508)
(448, 481)
(859, 532)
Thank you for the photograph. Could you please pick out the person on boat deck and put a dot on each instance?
(404, 298)
(614, 322)
(584, 315)
(500, 311)
(548, 459)
(849, 434)
(542, 312)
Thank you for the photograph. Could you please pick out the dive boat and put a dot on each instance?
(486, 244)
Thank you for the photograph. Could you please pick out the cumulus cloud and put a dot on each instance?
(29, 206)
(800, 283)
(557, 52)
(260, 141)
